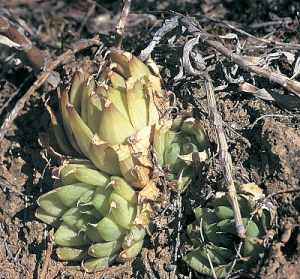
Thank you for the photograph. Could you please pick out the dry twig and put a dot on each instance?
(42, 78)
(244, 62)
(280, 193)
(120, 28)
(225, 157)
(267, 42)
(289, 102)
(88, 15)
(14, 94)
(167, 26)
(44, 270)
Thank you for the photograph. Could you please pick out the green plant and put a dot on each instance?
(94, 216)
(214, 237)
(110, 121)
(177, 143)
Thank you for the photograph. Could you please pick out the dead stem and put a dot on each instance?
(246, 64)
(86, 18)
(280, 193)
(44, 270)
(167, 26)
(261, 40)
(211, 40)
(225, 157)
(120, 28)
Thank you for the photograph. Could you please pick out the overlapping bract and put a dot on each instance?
(214, 236)
(110, 121)
(177, 143)
(94, 215)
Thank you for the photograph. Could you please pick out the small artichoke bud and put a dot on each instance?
(214, 235)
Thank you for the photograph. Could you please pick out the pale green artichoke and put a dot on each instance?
(94, 215)
(177, 143)
(214, 236)
(110, 121)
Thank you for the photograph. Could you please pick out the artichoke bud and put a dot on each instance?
(114, 124)
(214, 236)
(99, 118)
(175, 142)
(94, 216)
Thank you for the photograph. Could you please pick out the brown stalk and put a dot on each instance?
(224, 156)
(268, 42)
(244, 62)
(120, 28)
(44, 270)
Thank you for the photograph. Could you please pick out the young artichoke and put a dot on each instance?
(214, 237)
(176, 144)
(110, 121)
(94, 215)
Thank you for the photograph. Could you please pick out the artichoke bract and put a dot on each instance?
(110, 120)
(94, 216)
(214, 236)
(177, 143)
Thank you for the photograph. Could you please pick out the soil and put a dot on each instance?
(263, 137)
